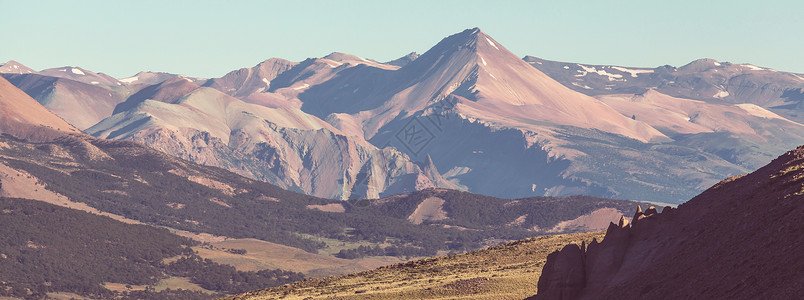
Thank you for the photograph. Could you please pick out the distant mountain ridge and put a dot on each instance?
(482, 120)
(13, 67)
(462, 147)
(133, 183)
(702, 79)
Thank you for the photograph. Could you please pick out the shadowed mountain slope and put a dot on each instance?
(491, 80)
(80, 104)
(22, 117)
(467, 114)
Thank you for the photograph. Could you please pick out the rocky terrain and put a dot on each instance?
(713, 246)
(467, 114)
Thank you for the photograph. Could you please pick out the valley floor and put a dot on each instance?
(508, 271)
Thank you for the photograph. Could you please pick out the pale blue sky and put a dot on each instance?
(210, 38)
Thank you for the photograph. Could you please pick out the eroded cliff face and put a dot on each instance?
(737, 240)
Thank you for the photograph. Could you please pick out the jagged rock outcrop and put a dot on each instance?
(711, 247)
(563, 276)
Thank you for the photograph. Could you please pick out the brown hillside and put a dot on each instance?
(507, 271)
(737, 240)
(22, 117)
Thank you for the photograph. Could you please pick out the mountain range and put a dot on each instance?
(291, 170)
(52, 170)
(466, 114)
(704, 79)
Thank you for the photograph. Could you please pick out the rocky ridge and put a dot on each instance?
(710, 247)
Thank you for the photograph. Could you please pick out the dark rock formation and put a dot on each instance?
(712, 247)
(563, 276)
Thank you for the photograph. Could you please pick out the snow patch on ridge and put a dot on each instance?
(611, 77)
(492, 44)
(77, 71)
(129, 79)
(634, 73)
(304, 86)
(752, 67)
(757, 111)
(483, 61)
(721, 94)
(581, 86)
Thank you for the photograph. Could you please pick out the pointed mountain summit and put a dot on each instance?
(468, 89)
(506, 89)
(488, 82)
